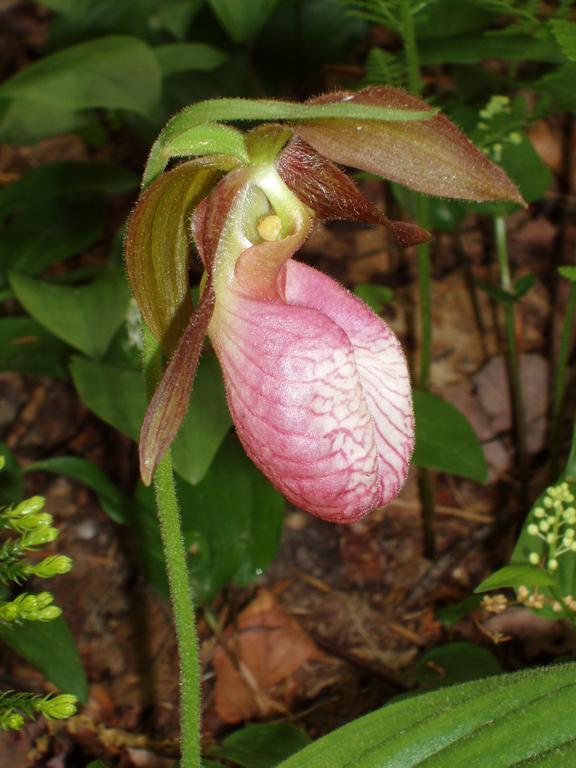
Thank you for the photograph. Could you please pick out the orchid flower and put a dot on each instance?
(317, 384)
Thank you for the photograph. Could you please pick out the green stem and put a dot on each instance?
(178, 579)
(559, 387)
(424, 281)
(516, 397)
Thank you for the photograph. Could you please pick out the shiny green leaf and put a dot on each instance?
(86, 317)
(445, 441)
(455, 663)
(186, 57)
(114, 72)
(50, 647)
(500, 721)
(516, 576)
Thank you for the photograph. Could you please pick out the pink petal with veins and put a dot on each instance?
(319, 392)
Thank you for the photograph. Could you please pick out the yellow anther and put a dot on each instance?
(270, 227)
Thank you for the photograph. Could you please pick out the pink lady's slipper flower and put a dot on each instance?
(317, 384)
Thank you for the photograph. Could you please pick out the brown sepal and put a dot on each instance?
(326, 189)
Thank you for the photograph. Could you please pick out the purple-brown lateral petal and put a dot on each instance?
(156, 248)
(168, 407)
(333, 195)
(431, 156)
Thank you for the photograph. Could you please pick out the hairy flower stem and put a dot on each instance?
(513, 364)
(559, 386)
(424, 282)
(178, 580)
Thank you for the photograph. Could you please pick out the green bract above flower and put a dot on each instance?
(317, 384)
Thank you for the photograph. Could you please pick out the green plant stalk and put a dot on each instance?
(515, 385)
(424, 282)
(559, 386)
(178, 579)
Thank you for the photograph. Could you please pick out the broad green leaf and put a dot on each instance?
(157, 249)
(48, 232)
(242, 19)
(501, 721)
(565, 34)
(64, 179)
(191, 131)
(97, 764)
(232, 521)
(11, 482)
(24, 121)
(455, 663)
(568, 272)
(86, 317)
(114, 72)
(175, 16)
(261, 746)
(376, 296)
(110, 496)
(445, 441)
(184, 57)
(50, 647)
(117, 396)
(516, 576)
(27, 347)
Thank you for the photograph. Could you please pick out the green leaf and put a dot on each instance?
(565, 34)
(455, 663)
(11, 483)
(26, 347)
(495, 292)
(111, 498)
(96, 764)
(446, 19)
(451, 614)
(117, 396)
(65, 179)
(48, 232)
(176, 15)
(232, 521)
(516, 576)
(261, 746)
(192, 132)
(498, 722)
(445, 441)
(242, 19)
(50, 647)
(184, 57)
(22, 122)
(523, 285)
(568, 272)
(86, 317)
(376, 296)
(115, 72)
